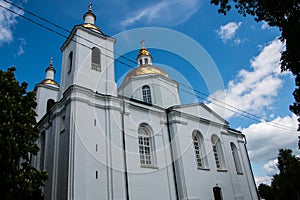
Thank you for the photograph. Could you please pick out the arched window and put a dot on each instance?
(236, 158)
(146, 94)
(146, 60)
(199, 148)
(217, 193)
(145, 145)
(96, 59)
(42, 155)
(70, 61)
(218, 152)
(50, 103)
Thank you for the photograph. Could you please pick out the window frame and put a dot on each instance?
(42, 150)
(146, 94)
(199, 150)
(70, 61)
(236, 158)
(146, 146)
(96, 59)
(218, 153)
(217, 191)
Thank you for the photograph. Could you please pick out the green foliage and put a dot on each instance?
(18, 133)
(285, 185)
(284, 14)
(266, 192)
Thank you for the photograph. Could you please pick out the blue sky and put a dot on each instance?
(245, 53)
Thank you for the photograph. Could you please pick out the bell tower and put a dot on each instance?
(88, 58)
(46, 92)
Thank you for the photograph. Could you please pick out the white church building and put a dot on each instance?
(135, 142)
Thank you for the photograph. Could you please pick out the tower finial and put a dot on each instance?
(143, 43)
(90, 7)
(51, 61)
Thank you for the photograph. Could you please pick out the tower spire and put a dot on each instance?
(89, 17)
(143, 44)
(50, 71)
(90, 7)
(144, 57)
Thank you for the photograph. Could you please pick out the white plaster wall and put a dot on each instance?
(200, 110)
(66, 78)
(155, 182)
(97, 120)
(102, 82)
(99, 81)
(164, 91)
(197, 183)
(43, 94)
(98, 148)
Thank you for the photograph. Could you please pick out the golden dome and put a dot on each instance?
(91, 26)
(49, 77)
(89, 20)
(145, 70)
(143, 51)
(49, 82)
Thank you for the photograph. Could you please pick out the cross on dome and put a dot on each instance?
(90, 7)
(143, 43)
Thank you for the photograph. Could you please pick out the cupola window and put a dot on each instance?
(146, 60)
(146, 94)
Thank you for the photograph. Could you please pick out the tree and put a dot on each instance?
(18, 134)
(285, 185)
(284, 14)
(266, 192)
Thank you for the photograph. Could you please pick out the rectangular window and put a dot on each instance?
(199, 160)
(147, 94)
(96, 67)
(145, 150)
(215, 150)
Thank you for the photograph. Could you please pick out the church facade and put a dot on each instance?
(133, 142)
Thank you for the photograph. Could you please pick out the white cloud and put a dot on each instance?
(21, 46)
(169, 12)
(254, 90)
(264, 141)
(7, 22)
(266, 138)
(265, 25)
(228, 31)
(271, 167)
(262, 179)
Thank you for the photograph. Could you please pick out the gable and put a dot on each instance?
(200, 110)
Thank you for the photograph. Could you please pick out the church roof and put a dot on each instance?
(89, 18)
(49, 79)
(145, 70)
(92, 26)
(143, 52)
